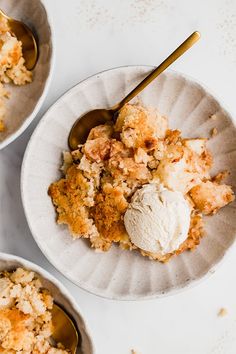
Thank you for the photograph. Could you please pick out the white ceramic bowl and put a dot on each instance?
(59, 293)
(121, 274)
(25, 101)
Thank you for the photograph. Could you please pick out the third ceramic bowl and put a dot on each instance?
(59, 292)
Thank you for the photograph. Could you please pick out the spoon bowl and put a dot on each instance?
(24, 34)
(64, 329)
(84, 124)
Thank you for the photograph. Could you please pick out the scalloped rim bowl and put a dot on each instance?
(58, 291)
(119, 274)
(26, 101)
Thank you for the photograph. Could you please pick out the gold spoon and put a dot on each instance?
(64, 330)
(81, 128)
(27, 38)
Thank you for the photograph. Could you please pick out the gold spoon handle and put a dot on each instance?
(188, 43)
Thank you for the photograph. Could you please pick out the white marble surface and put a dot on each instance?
(93, 35)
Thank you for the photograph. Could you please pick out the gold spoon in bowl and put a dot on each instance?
(64, 330)
(81, 128)
(27, 38)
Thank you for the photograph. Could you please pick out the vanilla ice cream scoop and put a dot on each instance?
(157, 219)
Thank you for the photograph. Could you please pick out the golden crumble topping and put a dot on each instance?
(12, 68)
(72, 197)
(110, 206)
(117, 159)
(25, 314)
(209, 196)
(139, 127)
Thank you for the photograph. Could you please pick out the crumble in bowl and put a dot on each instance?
(101, 177)
(25, 314)
(12, 66)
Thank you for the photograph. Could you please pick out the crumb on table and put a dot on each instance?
(222, 312)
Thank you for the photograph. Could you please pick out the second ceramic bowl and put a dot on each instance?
(59, 293)
(121, 274)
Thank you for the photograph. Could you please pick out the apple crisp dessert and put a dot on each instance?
(102, 175)
(12, 68)
(25, 315)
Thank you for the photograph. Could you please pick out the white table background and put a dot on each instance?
(93, 35)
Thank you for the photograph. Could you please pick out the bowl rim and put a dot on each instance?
(48, 276)
(169, 292)
(28, 119)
